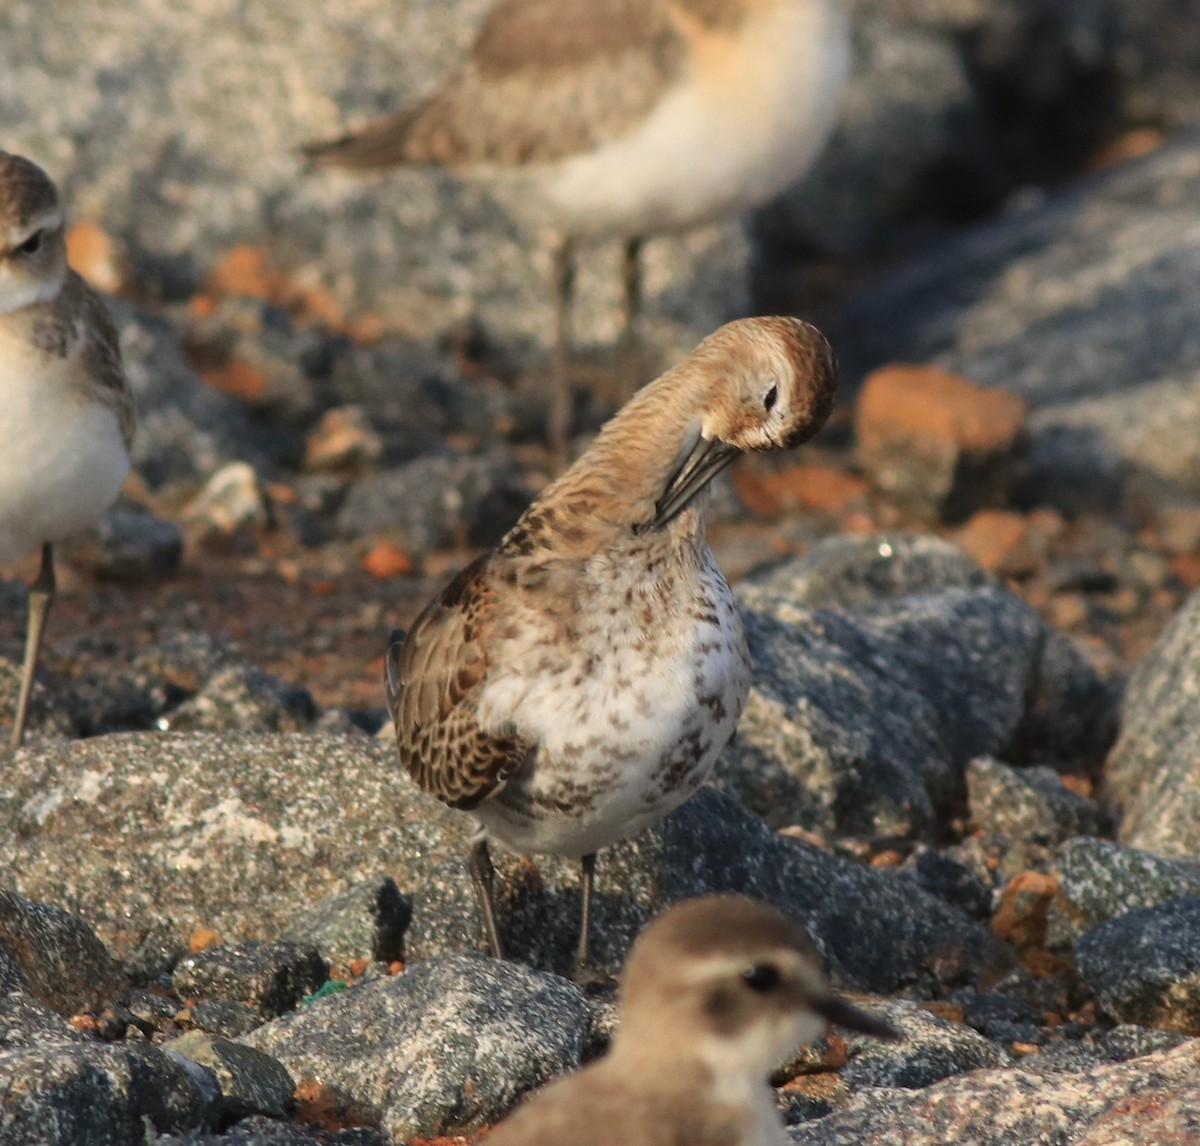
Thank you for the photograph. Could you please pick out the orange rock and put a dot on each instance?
(244, 270)
(1021, 917)
(924, 402)
(239, 379)
(936, 443)
(92, 252)
(809, 487)
(944, 1009)
(203, 938)
(387, 560)
(1186, 566)
(1000, 541)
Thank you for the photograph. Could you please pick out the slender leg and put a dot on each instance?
(559, 425)
(41, 594)
(587, 870)
(482, 876)
(631, 278)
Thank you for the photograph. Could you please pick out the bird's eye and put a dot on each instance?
(762, 977)
(770, 398)
(32, 245)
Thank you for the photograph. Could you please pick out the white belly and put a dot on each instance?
(747, 122)
(62, 461)
(629, 722)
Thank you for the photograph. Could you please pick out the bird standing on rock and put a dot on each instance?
(718, 991)
(575, 685)
(66, 410)
(624, 118)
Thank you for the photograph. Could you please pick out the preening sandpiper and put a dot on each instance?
(68, 416)
(718, 991)
(625, 118)
(576, 684)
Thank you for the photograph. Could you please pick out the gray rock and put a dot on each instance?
(443, 1049)
(251, 1082)
(1151, 773)
(956, 883)
(103, 1095)
(260, 1131)
(366, 921)
(271, 976)
(1098, 880)
(439, 501)
(931, 1049)
(129, 544)
(24, 1022)
(1145, 965)
(60, 960)
(1154, 1098)
(224, 1018)
(1031, 803)
(876, 930)
(1083, 305)
(862, 721)
(221, 829)
(853, 570)
(245, 698)
(186, 430)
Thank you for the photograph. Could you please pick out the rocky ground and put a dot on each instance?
(969, 758)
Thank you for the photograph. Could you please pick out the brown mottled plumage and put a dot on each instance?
(717, 992)
(624, 118)
(576, 684)
(66, 410)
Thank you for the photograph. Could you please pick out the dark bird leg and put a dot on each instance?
(41, 595)
(483, 875)
(587, 870)
(559, 422)
(631, 280)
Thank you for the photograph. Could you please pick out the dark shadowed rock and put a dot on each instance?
(24, 1022)
(59, 959)
(443, 1049)
(251, 1082)
(129, 544)
(101, 1095)
(862, 720)
(366, 921)
(1145, 965)
(260, 1131)
(244, 697)
(272, 976)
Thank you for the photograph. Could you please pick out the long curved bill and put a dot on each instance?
(707, 459)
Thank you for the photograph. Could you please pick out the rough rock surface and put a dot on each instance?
(272, 976)
(1151, 772)
(444, 1049)
(863, 720)
(1150, 1099)
(1099, 880)
(1145, 965)
(1083, 305)
(1031, 803)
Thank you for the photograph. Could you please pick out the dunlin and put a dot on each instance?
(625, 118)
(717, 992)
(67, 416)
(576, 684)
